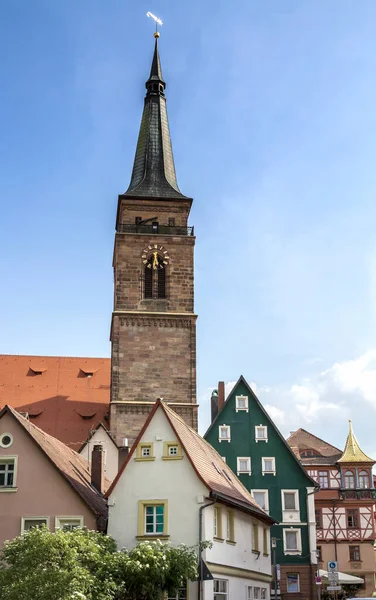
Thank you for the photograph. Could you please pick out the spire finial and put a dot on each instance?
(157, 20)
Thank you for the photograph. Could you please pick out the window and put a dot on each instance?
(354, 552)
(230, 527)
(256, 593)
(292, 541)
(152, 518)
(249, 593)
(241, 403)
(261, 433)
(352, 518)
(255, 537)
(6, 440)
(8, 470)
(308, 453)
(324, 479)
(349, 480)
(28, 523)
(268, 465)
(218, 523)
(172, 451)
(68, 523)
(266, 541)
(363, 479)
(290, 500)
(220, 588)
(318, 516)
(171, 221)
(145, 451)
(224, 433)
(244, 464)
(261, 497)
(264, 594)
(292, 582)
(155, 274)
(181, 594)
(319, 553)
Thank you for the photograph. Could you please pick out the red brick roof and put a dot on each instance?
(304, 440)
(207, 463)
(65, 396)
(69, 463)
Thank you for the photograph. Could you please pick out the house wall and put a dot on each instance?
(111, 457)
(177, 482)
(41, 490)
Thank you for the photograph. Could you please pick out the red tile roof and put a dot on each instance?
(60, 395)
(207, 463)
(72, 466)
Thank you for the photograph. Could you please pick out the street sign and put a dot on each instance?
(318, 580)
(333, 578)
(334, 588)
(332, 566)
(278, 572)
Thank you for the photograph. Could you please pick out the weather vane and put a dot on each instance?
(157, 22)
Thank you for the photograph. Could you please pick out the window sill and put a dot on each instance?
(268, 473)
(244, 473)
(150, 536)
(218, 539)
(144, 458)
(292, 552)
(231, 542)
(261, 440)
(8, 489)
(172, 457)
(254, 551)
(265, 554)
(224, 440)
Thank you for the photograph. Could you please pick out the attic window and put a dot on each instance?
(227, 475)
(309, 453)
(86, 372)
(86, 416)
(37, 370)
(241, 403)
(217, 468)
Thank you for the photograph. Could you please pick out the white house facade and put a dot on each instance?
(100, 436)
(175, 487)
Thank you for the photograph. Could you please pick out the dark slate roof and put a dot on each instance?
(320, 460)
(153, 174)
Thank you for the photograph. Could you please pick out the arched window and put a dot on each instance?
(155, 277)
(363, 479)
(349, 480)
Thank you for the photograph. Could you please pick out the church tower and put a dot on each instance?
(153, 331)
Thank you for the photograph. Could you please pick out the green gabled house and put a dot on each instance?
(245, 436)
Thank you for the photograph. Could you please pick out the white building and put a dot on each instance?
(101, 436)
(174, 486)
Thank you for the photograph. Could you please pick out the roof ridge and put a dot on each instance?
(56, 356)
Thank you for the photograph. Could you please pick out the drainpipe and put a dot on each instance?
(335, 530)
(314, 491)
(199, 587)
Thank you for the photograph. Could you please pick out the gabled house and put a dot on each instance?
(42, 481)
(175, 487)
(112, 455)
(345, 504)
(245, 436)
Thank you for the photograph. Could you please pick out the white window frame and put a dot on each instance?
(261, 439)
(257, 595)
(298, 580)
(224, 459)
(59, 520)
(298, 532)
(246, 404)
(3, 435)
(154, 507)
(249, 592)
(297, 507)
(146, 451)
(173, 450)
(246, 471)
(223, 595)
(272, 458)
(228, 429)
(34, 518)
(264, 592)
(266, 492)
(8, 459)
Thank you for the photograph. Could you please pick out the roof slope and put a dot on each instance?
(207, 463)
(59, 393)
(304, 440)
(352, 452)
(72, 466)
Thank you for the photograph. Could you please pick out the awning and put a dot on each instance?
(343, 578)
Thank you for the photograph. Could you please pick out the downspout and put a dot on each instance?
(314, 491)
(200, 573)
(335, 530)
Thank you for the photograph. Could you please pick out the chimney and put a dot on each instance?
(221, 395)
(214, 404)
(123, 453)
(97, 468)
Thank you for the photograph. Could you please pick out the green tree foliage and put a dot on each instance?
(85, 565)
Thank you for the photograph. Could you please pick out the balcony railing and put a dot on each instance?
(156, 229)
(363, 494)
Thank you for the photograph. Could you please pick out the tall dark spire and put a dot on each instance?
(153, 174)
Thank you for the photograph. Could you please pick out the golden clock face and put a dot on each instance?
(155, 257)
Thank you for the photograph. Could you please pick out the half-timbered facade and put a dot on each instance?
(345, 504)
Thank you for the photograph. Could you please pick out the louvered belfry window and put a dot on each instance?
(154, 279)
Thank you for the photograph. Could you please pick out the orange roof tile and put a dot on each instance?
(63, 400)
(207, 463)
(69, 463)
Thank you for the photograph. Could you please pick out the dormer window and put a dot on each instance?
(224, 433)
(241, 403)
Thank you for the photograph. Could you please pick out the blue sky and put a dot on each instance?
(271, 108)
